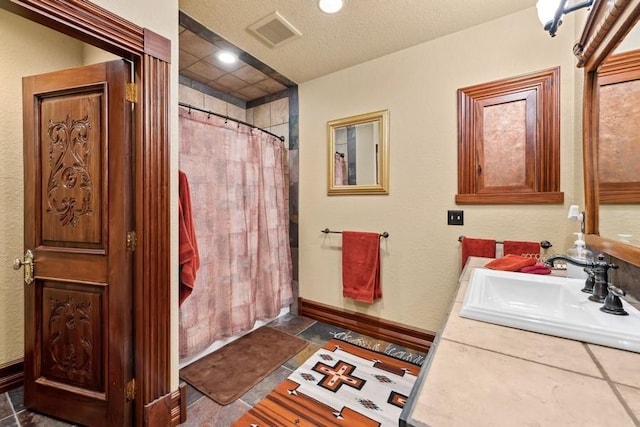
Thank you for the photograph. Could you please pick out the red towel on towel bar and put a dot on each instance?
(361, 266)
(477, 247)
(521, 248)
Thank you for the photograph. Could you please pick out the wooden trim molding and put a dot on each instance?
(84, 21)
(612, 247)
(179, 405)
(169, 410)
(620, 64)
(150, 53)
(153, 293)
(590, 155)
(157, 46)
(512, 198)
(607, 23)
(414, 338)
(11, 375)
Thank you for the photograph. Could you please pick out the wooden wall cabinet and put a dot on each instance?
(509, 141)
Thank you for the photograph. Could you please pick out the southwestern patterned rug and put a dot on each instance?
(340, 385)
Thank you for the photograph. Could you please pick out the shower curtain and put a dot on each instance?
(239, 196)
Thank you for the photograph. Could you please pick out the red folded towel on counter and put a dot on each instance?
(477, 247)
(511, 262)
(361, 266)
(537, 268)
(521, 248)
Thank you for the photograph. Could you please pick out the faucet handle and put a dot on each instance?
(616, 291)
(589, 281)
(612, 303)
(600, 262)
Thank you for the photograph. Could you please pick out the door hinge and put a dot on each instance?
(130, 390)
(132, 92)
(132, 241)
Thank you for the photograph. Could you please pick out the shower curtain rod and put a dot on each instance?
(202, 110)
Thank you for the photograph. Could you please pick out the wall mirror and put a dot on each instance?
(606, 50)
(618, 142)
(358, 154)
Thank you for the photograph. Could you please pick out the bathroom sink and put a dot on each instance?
(550, 305)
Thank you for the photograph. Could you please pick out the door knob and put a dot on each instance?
(28, 264)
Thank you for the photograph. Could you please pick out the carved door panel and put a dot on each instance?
(78, 197)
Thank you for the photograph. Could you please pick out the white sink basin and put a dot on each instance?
(549, 305)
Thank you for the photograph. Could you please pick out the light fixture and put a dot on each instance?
(575, 214)
(330, 6)
(550, 12)
(227, 57)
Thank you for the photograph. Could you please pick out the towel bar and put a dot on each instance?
(327, 231)
(545, 244)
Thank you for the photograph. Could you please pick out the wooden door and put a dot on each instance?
(78, 197)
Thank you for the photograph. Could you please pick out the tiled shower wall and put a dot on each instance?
(279, 115)
(198, 99)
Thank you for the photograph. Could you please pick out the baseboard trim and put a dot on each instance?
(179, 405)
(168, 410)
(11, 375)
(413, 338)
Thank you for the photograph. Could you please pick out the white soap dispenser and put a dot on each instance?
(580, 253)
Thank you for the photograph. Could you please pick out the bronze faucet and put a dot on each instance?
(600, 270)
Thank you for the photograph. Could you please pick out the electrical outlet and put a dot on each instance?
(455, 217)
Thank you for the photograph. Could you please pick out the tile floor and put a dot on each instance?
(204, 412)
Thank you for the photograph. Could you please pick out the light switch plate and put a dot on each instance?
(455, 217)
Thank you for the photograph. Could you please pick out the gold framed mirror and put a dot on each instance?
(358, 154)
(608, 24)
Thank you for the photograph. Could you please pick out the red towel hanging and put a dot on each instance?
(521, 248)
(477, 247)
(361, 266)
(189, 257)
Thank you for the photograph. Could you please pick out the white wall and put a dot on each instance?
(420, 260)
(33, 50)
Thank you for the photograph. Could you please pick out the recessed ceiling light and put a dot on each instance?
(330, 6)
(227, 57)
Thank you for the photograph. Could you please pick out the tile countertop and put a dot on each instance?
(481, 374)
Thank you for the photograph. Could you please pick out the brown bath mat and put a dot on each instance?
(229, 372)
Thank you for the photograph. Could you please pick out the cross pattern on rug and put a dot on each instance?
(335, 376)
(340, 385)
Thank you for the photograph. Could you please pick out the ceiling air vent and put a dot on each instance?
(274, 30)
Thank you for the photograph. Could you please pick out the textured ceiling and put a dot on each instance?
(361, 31)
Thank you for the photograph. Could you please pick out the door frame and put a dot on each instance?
(155, 403)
